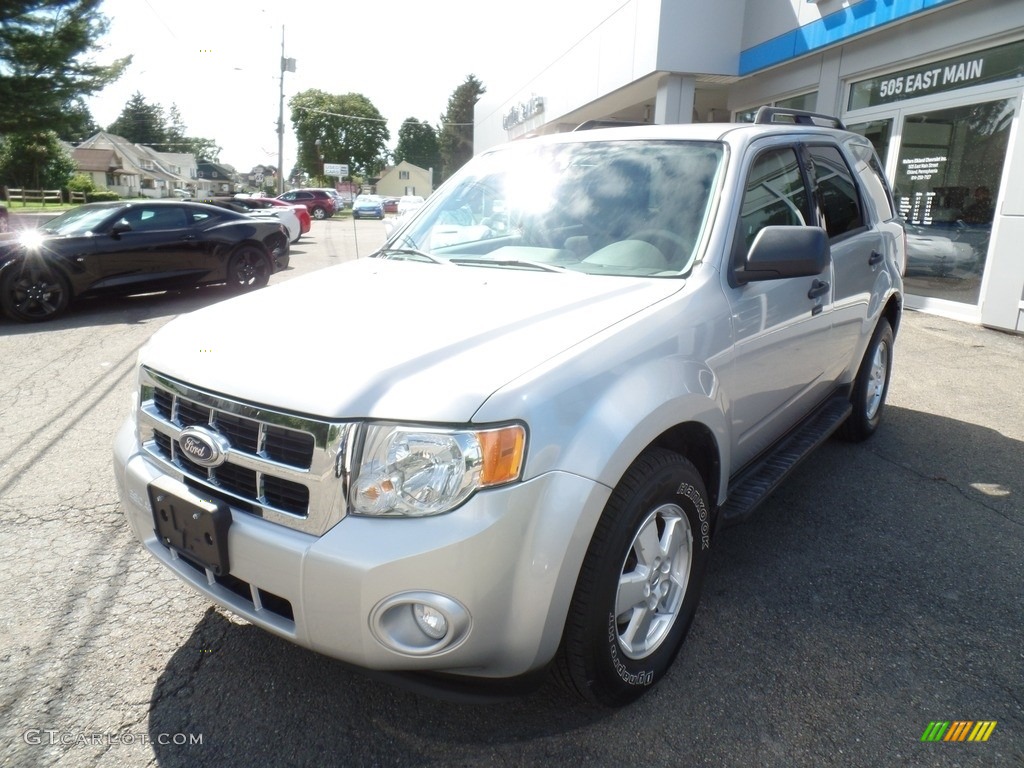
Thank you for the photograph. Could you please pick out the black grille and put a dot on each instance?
(243, 434)
(163, 400)
(289, 447)
(191, 414)
(163, 443)
(286, 495)
(237, 479)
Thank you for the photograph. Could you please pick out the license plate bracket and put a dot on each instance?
(193, 526)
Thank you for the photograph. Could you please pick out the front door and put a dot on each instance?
(781, 332)
(157, 252)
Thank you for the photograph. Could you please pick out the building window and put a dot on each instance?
(403, 174)
(807, 102)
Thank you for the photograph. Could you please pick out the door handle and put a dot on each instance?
(818, 288)
(875, 258)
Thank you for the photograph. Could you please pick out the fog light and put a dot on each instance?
(420, 623)
(432, 622)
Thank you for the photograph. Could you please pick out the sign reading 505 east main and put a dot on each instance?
(989, 66)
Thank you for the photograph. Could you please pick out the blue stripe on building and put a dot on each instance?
(831, 29)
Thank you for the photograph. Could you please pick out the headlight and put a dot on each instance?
(414, 471)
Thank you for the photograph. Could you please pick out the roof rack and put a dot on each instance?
(768, 115)
(590, 124)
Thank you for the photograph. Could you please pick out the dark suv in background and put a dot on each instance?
(318, 202)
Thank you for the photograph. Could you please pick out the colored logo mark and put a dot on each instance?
(958, 730)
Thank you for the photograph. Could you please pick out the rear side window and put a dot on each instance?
(837, 191)
(774, 195)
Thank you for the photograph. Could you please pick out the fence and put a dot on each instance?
(41, 196)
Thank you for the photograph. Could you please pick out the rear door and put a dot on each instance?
(782, 327)
(857, 251)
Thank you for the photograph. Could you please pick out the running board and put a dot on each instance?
(755, 485)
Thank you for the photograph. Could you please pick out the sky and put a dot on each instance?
(218, 61)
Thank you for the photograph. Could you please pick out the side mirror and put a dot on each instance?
(785, 251)
(119, 227)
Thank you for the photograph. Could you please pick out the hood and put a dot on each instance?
(392, 339)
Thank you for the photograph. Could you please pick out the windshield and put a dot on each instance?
(613, 207)
(78, 221)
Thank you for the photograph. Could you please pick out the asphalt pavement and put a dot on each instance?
(880, 590)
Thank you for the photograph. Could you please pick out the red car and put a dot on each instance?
(257, 203)
(317, 201)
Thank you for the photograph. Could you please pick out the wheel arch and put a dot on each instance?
(695, 442)
(893, 312)
(251, 243)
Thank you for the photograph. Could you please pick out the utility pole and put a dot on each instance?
(287, 65)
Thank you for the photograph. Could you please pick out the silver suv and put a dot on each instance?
(513, 443)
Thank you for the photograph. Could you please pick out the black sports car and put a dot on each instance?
(135, 246)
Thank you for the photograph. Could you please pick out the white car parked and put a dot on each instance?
(409, 203)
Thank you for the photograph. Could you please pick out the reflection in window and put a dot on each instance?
(775, 195)
(837, 192)
(947, 181)
(878, 132)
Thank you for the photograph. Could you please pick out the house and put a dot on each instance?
(103, 166)
(259, 179)
(405, 179)
(215, 178)
(132, 170)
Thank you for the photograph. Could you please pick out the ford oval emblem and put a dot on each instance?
(203, 446)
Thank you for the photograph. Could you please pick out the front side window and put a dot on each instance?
(775, 195)
(149, 219)
(600, 207)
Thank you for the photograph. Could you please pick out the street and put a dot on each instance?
(879, 590)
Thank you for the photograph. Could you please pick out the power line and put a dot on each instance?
(357, 117)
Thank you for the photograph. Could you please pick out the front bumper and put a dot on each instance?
(509, 558)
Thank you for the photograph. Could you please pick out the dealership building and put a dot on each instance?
(936, 85)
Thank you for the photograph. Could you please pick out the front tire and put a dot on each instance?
(248, 269)
(640, 582)
(319, 214)
(871, 386)
(33, 291)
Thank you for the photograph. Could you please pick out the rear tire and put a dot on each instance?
(871, 386)
(32, 292)
(640, 582)
(248, 269)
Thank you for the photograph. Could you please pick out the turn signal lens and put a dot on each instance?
(502, 451)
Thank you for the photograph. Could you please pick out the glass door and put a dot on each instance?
(946, 181)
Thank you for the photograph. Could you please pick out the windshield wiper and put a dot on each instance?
(388, 253)
(510, 263)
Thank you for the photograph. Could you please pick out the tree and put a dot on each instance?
(141, 122)
(348, 127)
(417, 144)
(178, 140)
(456, 140)
(45, 64)
(35, 161)
(81, 124)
